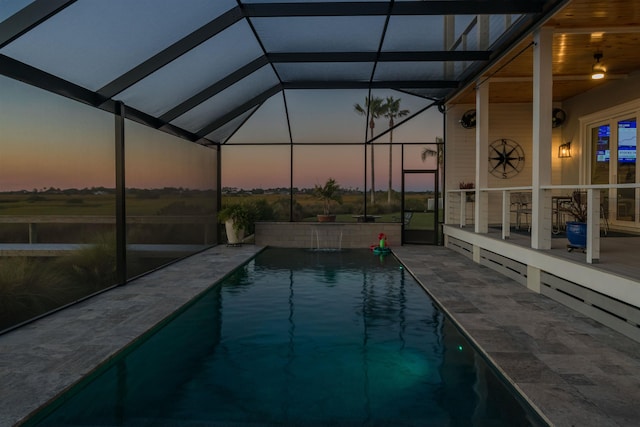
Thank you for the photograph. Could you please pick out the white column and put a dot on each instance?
(593, 226)
(534, 278)
(506, 214)
(541, 151)
(481, 212)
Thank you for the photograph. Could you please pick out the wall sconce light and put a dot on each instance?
(564, 150)
(597, 70)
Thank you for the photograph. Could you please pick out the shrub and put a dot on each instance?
(28, 287)
(93, 267)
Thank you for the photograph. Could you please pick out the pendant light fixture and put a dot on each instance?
(597, 70)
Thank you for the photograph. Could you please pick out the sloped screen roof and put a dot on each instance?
(201, 68)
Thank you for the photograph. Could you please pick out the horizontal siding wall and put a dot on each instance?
(506, 121)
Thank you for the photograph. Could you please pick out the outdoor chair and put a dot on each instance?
(521, 206)
(406, 219)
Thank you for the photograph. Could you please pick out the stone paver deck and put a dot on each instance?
(41, 360)
(574, 370)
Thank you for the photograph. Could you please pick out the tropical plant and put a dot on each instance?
(392, 111)
(328, 193)
(374, 107)
(242, 215)
(576, 206)
(430, 152)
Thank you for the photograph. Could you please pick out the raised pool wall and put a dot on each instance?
(331, 235)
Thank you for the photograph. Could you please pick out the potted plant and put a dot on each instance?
(576, 206)
(470, 195)
(328, 193)
(237, 218)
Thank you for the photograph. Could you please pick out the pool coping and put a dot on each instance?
(573, 370)
(41, 360)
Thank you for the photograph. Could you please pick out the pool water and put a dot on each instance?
(300, 338)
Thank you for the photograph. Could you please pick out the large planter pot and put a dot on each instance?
(234, 237)
(326, 218)
(577, 234)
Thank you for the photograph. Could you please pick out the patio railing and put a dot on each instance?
(518, 203)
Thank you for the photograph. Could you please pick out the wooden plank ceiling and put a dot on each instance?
(581, 29)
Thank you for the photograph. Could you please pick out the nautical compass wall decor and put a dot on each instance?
(506, 158)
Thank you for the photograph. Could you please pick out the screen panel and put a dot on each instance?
(320, 34)
(170, 197)
(116, 36)
(57, 202)
(194, 71)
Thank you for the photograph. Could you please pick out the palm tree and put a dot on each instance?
(392, 111)
(374, 107)
(429, 152)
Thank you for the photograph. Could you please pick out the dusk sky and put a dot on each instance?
(51, 141)
(323, 117)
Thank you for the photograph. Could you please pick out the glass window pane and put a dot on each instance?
(320, 34)
(600, 159)
(194, 71)
(225, 101)
(627, 150)
(92, 42)
(57, 202)
(170, 197)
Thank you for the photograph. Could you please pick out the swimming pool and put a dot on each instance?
(304, 338)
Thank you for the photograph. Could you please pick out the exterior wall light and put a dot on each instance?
(564, 150)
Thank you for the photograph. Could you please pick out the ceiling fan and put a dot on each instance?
(558, 117)
(468, 119)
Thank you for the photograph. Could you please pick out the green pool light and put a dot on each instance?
(459, 348)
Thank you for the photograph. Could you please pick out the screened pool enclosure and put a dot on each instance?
(126, 125)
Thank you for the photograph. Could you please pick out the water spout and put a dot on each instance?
(326, 237)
